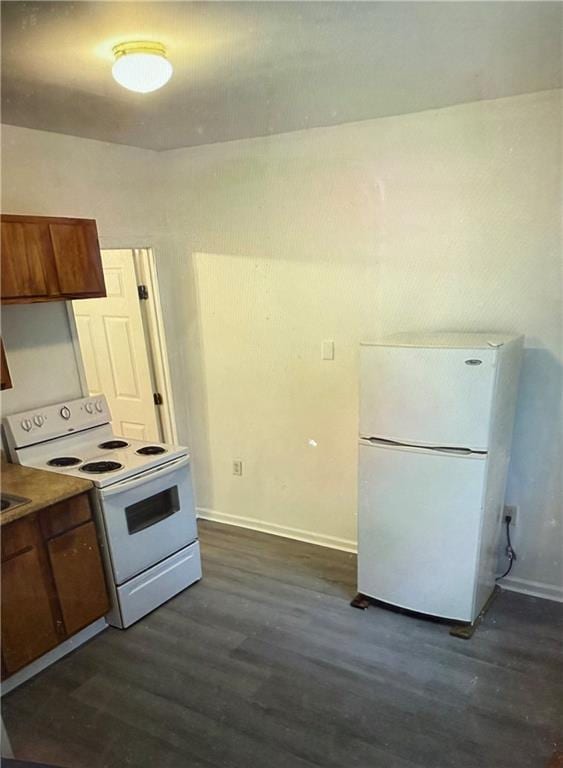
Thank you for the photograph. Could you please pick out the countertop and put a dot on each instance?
(42, 488)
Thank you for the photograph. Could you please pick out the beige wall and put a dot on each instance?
(40, 356)
(442, 219)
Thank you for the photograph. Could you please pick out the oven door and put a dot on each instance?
(149, 517)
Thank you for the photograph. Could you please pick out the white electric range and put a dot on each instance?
(143, 499)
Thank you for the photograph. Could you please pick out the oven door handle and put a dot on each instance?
(127, 485)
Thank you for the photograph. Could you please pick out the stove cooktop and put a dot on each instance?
(103, 467)
(76, 438)
(99, 456)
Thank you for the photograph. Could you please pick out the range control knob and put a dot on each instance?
(89, 407)
(65, 412)
(99, 406)
(26, 424)
(38, 420)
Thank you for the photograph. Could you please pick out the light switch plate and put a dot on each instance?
(327, 350)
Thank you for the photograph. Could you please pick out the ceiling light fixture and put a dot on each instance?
(141, 66)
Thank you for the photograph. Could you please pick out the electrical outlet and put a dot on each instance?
(237, 467)
(512, 510)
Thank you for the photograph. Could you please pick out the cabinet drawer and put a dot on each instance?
(65, 515)
(18, 536)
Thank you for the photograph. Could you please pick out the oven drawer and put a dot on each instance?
(148, 518)
(155, 586)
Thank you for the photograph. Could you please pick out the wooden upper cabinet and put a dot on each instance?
(77, 259)
(50, 259)
(24, 247)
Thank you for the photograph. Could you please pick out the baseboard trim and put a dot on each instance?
(533, 588)
(25, 674)
(511, 583)
(322, 540)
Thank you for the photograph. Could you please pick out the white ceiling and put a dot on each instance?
(251, 69)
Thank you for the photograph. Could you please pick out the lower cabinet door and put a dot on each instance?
(79, 577)
(28, 625)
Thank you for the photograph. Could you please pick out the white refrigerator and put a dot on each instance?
(436, 416)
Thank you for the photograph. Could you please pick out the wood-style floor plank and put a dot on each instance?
(264, 663)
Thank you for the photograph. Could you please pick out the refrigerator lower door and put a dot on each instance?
(419, 522)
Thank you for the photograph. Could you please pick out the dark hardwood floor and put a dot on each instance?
(263, 664)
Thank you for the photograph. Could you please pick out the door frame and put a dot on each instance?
(151, 311)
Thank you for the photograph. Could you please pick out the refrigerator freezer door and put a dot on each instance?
(418, 529)
(427, 396)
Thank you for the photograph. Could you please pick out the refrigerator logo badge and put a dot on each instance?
(473, 361)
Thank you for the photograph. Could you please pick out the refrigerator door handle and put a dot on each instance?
(438, 448)
(383, 441)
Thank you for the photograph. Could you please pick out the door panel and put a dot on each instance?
(121, 358)
(418, 528)
(75, 249)
(134, 431)
(427, 396)
(114, 349)
(84, 326)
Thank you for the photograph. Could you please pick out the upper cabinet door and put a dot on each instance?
(50, 259)
(77, 258)
(24, 250)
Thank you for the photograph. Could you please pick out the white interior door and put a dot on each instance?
(114, 349)
(427, 396)
(419, 519)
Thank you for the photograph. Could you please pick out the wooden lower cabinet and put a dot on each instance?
(52, 585)
(28, 625)
(79, 579)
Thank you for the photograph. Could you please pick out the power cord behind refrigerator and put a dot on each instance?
(509, 552)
